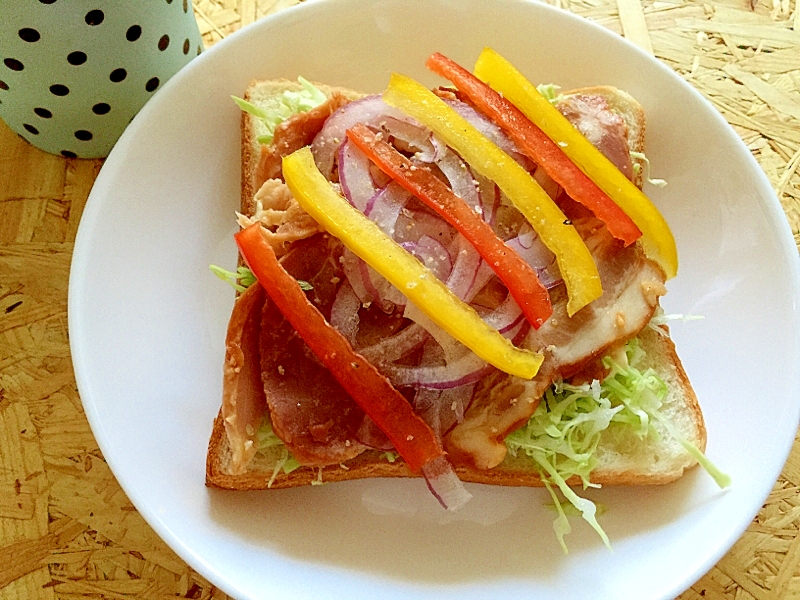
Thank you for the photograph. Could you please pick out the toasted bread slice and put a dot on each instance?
(623, 458)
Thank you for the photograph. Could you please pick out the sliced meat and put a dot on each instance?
(604, 128)
(632, 285)
(283, 218)
(294, 133)
(243, 401)
(311, 413)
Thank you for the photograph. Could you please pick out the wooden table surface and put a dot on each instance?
(67, 531)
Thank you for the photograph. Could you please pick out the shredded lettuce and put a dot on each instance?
(565, 430)
(266, 439)
(561, 524)
(318, 480)
(550, 91)
(662, 318)
(391, 456)
(637, 168)
(239, 280)
(723, 480)
(290, 103)
(563, 434)
(243, 278)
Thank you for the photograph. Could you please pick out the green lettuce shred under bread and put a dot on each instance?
(564, 433)
(290, 103)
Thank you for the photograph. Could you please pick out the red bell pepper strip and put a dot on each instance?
(392, 413)
(533, 142)
(520, 279)
(414, 280)
(575, 261)
(657, 239)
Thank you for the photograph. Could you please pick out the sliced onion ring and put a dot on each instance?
(354, 176)
(397, 346)
(444, 484)
(344, 312)
(370, 111)
(467, 369)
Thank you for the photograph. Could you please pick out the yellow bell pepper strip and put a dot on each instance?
(518, 276)
(415, 281)
(557, 233)
(538, 147)
(657, 238)
(413, 439)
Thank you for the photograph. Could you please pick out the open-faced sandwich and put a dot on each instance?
(460, 283)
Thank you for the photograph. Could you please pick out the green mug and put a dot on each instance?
(73, 73)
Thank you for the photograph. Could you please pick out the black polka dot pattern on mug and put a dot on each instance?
(13, 64)
(144, 52)
(28, 34)
(94, 17)
(134, 33)
(76, 58)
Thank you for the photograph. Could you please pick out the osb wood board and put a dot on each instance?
(67, 531)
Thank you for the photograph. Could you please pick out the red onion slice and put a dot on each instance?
(355, 276)
(506, 316)
(417, 138)
(464, 270)
(483, 275)
(489, 194)
(368, 285)
(370, 111)
(354, 175)
(433, 255)
(468, 369)
(443, 409)
(533, 251)
(461, 180)
(344, 312)
(452, 349)
(367, 273)
(444, 484)
(492, 131)
(412, 225)
(385, 206)
(397, 346)
(379, 288)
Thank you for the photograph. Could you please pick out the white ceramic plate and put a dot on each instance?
(147, 321)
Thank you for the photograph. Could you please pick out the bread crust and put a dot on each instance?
(251, 148)
(513, 471)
